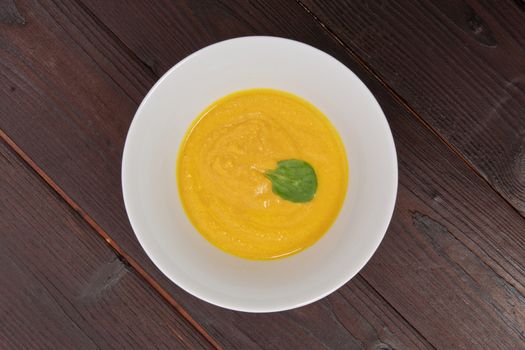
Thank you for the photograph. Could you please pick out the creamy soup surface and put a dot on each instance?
(221, 173)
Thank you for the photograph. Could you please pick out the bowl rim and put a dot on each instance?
(390, 198)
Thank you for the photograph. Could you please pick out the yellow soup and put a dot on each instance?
(221, 169)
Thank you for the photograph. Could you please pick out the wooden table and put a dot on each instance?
(450, 77)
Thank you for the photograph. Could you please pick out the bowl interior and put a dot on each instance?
(150, 186)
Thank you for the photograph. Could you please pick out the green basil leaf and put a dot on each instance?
(293, 180)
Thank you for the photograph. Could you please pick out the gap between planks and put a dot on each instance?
(116, 40)
(427, 341)
(398, 98)
(121, 254)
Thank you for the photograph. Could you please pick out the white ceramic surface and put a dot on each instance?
(150, 187)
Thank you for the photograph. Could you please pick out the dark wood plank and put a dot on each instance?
(451, 263)
(460, 64)
(79, 115)
(62, 287)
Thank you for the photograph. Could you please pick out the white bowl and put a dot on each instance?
(150, 186)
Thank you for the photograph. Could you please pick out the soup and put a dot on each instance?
(262, 174)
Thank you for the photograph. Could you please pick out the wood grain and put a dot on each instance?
(64, 288)
(460, 64)
(450, 266)
(73, 121)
